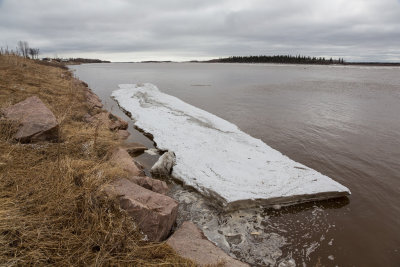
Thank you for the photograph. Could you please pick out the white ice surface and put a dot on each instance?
(216, 157)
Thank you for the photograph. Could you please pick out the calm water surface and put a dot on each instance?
(342, 121)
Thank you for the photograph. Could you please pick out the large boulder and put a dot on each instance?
(189, 242)
(154, 185)
(164, 164)
(122, 158)
(153, 213)
(36, 121)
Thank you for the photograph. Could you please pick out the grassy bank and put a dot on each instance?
(51, 208)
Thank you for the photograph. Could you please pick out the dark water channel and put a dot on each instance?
(342, 121)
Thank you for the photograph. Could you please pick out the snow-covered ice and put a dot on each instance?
(219, 160)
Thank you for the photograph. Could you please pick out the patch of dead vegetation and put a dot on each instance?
(52, 210)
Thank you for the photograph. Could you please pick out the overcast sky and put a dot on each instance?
(122, 30)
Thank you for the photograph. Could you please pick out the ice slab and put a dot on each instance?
(219, 160)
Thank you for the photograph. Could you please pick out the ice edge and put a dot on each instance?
(150, 109)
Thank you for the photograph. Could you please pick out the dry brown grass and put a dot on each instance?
(51, 209)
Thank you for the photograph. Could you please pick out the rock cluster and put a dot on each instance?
(143, 198)
(155, 213)
(98, 116)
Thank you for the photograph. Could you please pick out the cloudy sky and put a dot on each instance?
(122, 30)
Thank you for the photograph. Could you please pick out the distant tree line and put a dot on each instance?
(75, 60)
(22, 50)
(87, 60)
(287, 59)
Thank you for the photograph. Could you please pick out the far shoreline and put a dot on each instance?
(369, 64)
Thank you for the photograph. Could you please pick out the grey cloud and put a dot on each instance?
(358, 29)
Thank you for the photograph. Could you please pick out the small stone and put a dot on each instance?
(116, 123)
(135, 148)
(108, 120)
(287, 263)
(87, 118)
(276, 207)
(331, 257)
(234, 239)
(152, 151)
(123, 134)
(164, 164)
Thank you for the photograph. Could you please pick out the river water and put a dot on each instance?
(343, 121)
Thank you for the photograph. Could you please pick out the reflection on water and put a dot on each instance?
(341, 121)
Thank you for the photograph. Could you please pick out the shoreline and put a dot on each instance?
(54, 187)
(100, 134)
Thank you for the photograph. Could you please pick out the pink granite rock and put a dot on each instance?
(37, 122)
(153, 213)
(154, 185)
(122, 158)
(92, 99)
(116, 123)
(189, 242)
(108, 120)
(123, 134)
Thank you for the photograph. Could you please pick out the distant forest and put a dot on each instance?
(76, 60)
(287, 59)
